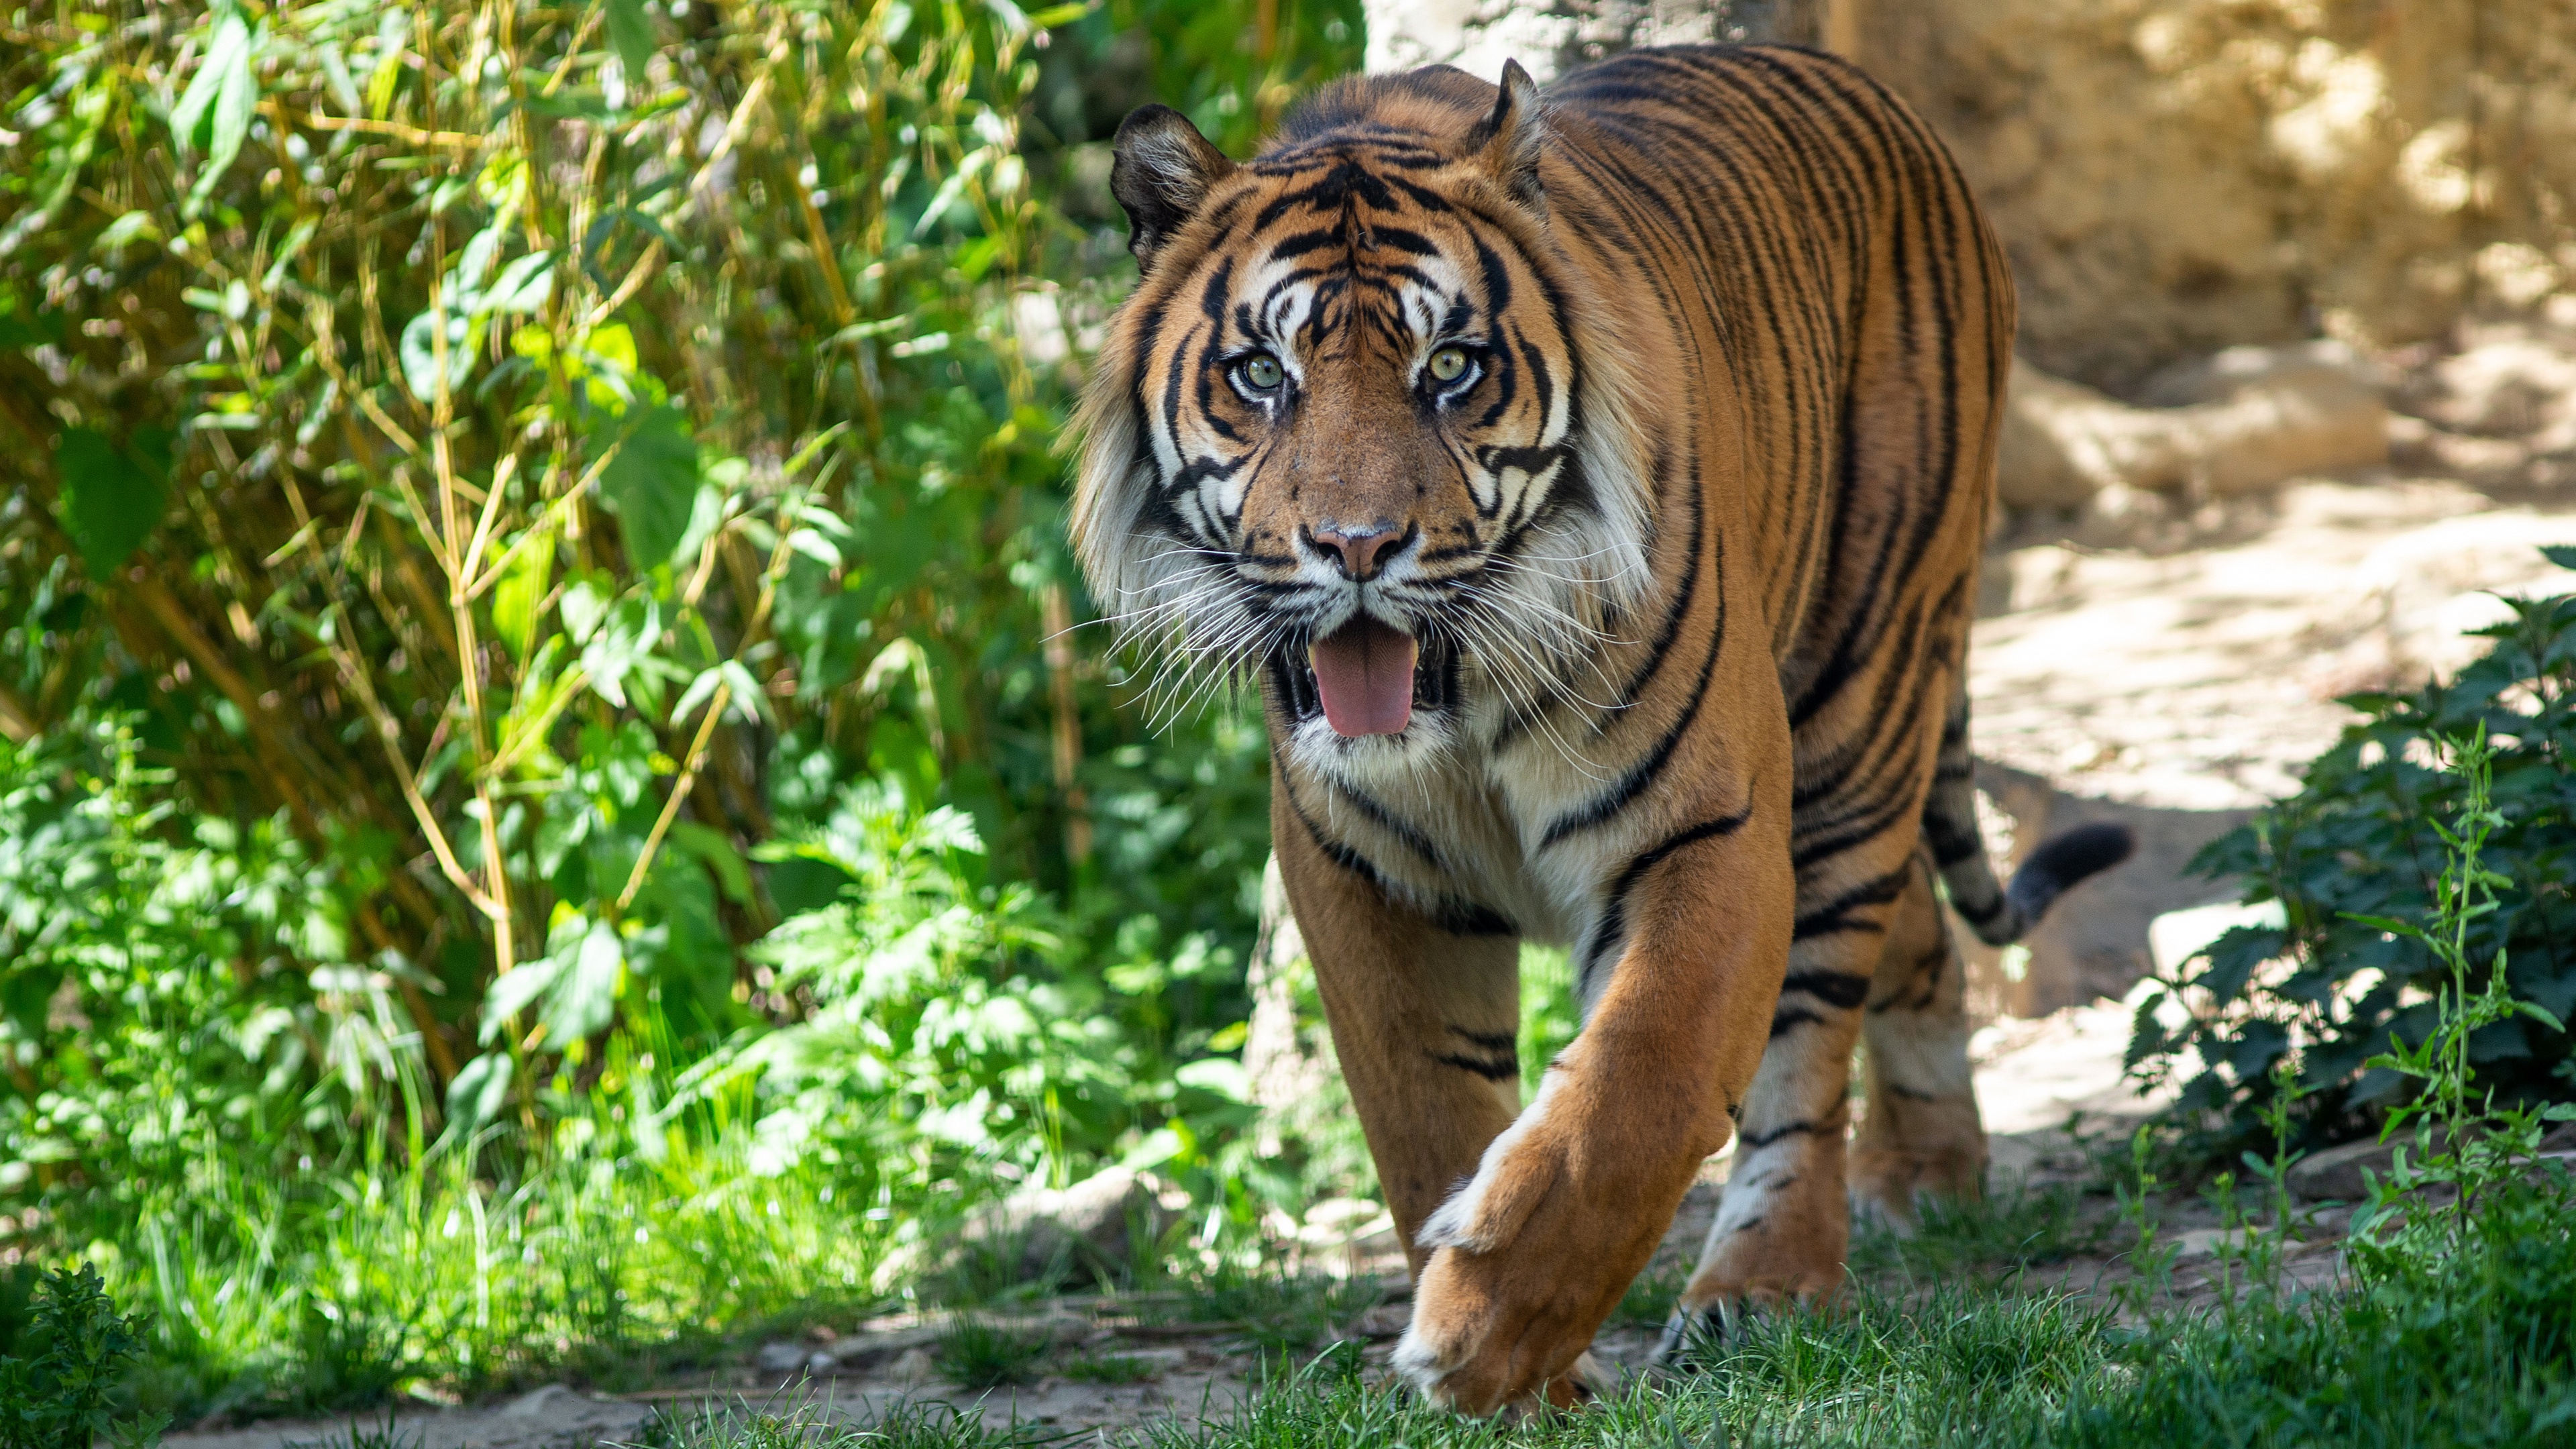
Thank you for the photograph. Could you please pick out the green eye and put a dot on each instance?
(1449, 364)
(1260, 372)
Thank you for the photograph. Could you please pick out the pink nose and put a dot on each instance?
(1359, 549)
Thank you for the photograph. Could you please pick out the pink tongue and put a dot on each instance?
(1365, 671)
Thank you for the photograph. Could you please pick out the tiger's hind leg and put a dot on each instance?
(1920, 1134)
(1784, 1222)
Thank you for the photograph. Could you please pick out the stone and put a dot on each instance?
(541, 1403)
(2247, 420)
(1095, 1224)
(913, 1368)
(781, 1357)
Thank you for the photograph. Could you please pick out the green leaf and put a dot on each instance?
(716, 853)
(2561, 554)
(516, 596)
(419, 349)
(111, 497)
(630, 30)
(228, 42)
(523, 286)
(479, 1092)
(584, 998)
(511, 994)
(651, 485)
(1222, 1075)
(215, 110)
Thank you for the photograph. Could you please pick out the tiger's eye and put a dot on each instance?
(1261, 372)
(1449, 364)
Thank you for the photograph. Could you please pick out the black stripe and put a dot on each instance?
(1793, 1016)
(1613, 923)
(1839, 989)
(1836, 915)
(1492, 1070)
(1759, 1140)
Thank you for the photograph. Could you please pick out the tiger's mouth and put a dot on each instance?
(1367, 678)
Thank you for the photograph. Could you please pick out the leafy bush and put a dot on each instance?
(542, 733)
(2360, 847)
(63, 1350)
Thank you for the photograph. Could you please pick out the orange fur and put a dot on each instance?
(1668, 402)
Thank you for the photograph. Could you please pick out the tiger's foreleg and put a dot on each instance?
(1920, 1135)
(1425, 1024)
(1536, 1249)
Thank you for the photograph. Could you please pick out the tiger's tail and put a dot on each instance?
(1998, 913)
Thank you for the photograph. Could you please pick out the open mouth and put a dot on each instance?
(1366, 678)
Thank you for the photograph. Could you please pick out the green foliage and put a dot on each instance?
(806, 1425)
(2015, 1227)
(976, 1353)
(1273, 1310)
(529, 743)
(2361, 856)
(1108, 1368)
(63, 1353)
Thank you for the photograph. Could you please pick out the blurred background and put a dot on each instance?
(560, 793)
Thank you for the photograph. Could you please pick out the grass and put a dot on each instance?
(978, 1355)
(2015, 1227)
(1109, 1368)
(809, 1425)
(1271, 1311)
(262, 1300)
(388, 1435)
(2464, 1338)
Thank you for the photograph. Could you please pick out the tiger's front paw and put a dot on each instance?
(1531, 1255)
(1461, 1354)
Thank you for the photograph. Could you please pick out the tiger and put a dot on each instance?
(1594, 484)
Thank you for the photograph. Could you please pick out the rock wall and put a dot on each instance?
(2175, 176)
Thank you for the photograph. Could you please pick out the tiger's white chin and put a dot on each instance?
(1379, 760)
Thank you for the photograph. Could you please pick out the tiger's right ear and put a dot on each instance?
(1162, 171)
(1509, 140)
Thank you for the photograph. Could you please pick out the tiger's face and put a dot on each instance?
(1350, 431)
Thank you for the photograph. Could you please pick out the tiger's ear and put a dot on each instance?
(1162, 171)
(1509, 141)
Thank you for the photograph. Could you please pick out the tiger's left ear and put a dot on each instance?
(1509, 141)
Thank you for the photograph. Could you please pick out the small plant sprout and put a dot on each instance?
(2479, 1144)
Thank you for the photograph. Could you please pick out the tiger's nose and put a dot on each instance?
(1358, 551)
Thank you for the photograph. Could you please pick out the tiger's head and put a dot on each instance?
(1361, 425)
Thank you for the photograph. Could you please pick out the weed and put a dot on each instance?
(2150, 1264)
(977, 1353)
(1273, 1311)
(62, 1366)
(1110, 1368)
(2481, 1144)
(2015, 1227)
(809, 1424)
(2381, 910)
(386, 1435)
